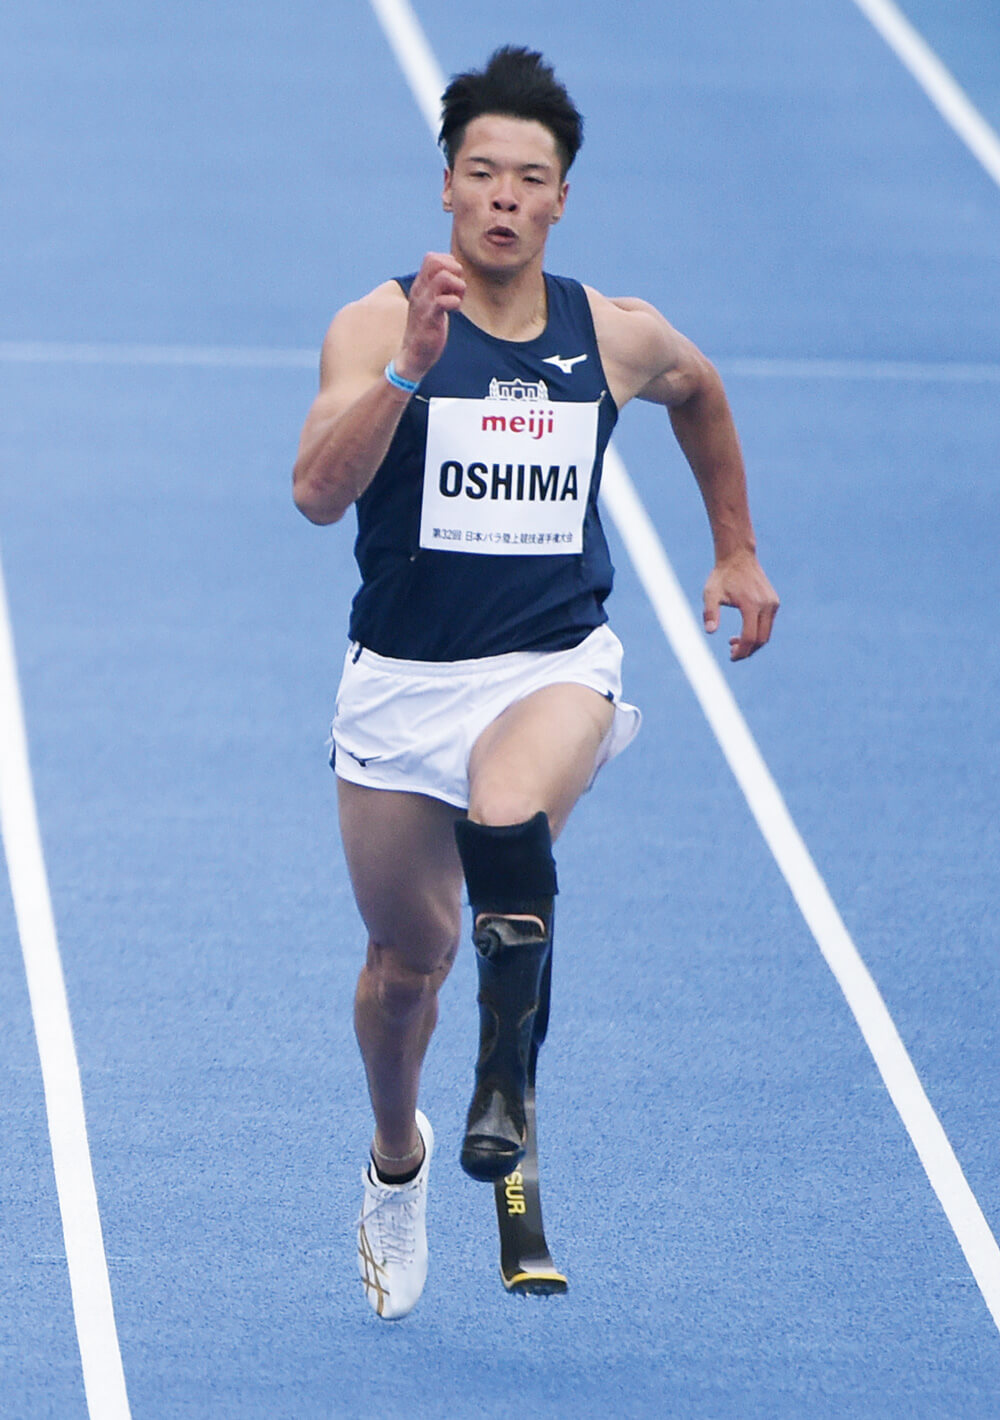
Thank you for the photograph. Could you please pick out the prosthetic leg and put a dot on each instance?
(526, 1266)
(511, 878)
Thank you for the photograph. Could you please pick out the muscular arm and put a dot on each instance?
(645, 358)
(349, 428)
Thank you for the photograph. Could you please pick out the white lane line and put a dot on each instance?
(808, 888)
(42, 352)
(261, 357)
(937, 82)
(906, 371)
(687, 640)
(414, 56)
(103, 1375)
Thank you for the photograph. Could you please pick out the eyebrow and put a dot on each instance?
(522, 167)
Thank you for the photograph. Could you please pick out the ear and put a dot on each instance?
(561, 208)
(446, 194)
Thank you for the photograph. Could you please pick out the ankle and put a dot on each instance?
(398, 1170)
(396, 1167)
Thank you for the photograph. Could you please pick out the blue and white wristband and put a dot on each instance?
(399, 381)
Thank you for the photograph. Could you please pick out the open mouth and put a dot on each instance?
(502, 235)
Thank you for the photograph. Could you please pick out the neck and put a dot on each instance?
(511, 307)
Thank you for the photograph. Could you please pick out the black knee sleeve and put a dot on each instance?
(510, 868)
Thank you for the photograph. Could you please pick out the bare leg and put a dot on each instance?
(407, 880)
(538, 755)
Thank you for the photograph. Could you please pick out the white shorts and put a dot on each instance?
(411, 725)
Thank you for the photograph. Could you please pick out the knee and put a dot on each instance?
(499, 804)
(403, 981)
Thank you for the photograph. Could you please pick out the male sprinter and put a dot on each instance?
(465, 412)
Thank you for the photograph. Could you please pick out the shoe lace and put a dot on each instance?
(393, 1220)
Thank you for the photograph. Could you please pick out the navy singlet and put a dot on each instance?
(480, 534)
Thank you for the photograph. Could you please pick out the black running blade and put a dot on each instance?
(526, 1265)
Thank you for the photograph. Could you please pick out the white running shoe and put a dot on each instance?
(392, 1236)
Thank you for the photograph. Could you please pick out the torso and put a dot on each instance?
(480, 532)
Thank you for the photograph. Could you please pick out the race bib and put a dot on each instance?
(507, 475)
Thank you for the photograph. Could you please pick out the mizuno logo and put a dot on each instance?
(368, 759)
(564, 363)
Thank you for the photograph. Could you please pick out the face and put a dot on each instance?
(504, 193)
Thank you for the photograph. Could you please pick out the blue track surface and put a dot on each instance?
(745, 1224)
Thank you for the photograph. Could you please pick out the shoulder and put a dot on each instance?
(633, 333)
(365, 333)
(642, 353)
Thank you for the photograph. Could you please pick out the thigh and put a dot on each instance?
(539, 754)
(405, 870)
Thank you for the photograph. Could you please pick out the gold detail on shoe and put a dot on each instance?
(372, 1281)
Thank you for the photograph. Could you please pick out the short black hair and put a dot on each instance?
(516, 82)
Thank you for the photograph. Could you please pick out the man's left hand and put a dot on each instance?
(739, 581)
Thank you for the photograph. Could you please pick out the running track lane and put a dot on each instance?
(426, 80)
